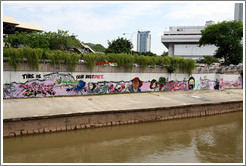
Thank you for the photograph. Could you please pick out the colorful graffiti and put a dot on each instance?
(227, 84)
(191, 83)
(56, 84)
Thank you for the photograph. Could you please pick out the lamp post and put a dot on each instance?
(131, 37)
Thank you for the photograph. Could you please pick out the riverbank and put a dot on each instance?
(44, 115)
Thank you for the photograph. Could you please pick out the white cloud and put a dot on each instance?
(137, 9)
(216, 11)
(83, 16)
(100, 21)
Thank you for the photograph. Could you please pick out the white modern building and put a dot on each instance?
(183, 41)
(238, 12)
(143, 41)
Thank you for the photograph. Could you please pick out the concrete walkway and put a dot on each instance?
(35, 107)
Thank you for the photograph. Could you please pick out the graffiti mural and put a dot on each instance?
(78, 88)
(191, 83)
(173, 85)
(136, 85)
(56, 84)
(230, 84)
(154, 85)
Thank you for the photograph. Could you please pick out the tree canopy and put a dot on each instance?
(60, 40)
(144, 53)
(119, 45)
(164, 53)
(227, 36)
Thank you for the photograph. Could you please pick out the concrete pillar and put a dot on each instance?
(171, 49)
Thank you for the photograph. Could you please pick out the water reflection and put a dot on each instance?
(208, 139)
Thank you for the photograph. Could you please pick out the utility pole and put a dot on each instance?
(131, 37)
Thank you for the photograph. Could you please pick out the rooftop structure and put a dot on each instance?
(10, 25)
(183, 41)
(85, 49)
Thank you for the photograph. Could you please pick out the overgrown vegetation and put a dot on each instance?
(14, 56)
(58, 48)
(208, 60)
(54, 46)
(17, 55)
(71, 59)
(171, 64)
(144, 53)
(33, 56)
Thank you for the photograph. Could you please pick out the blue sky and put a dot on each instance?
(100, 22)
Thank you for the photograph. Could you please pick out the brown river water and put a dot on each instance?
(212, 139)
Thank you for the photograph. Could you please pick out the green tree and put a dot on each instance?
(227, 36)
(119, 45)
(208, 60)
(96, 47)
(164, 53)
(60, 40)
(144, 53)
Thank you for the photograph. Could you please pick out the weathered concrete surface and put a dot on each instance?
(48, 67)
(35, 107)
(44, 115)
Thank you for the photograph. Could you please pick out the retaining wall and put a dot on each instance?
(48, 124)
(57, 81)
(46, 66)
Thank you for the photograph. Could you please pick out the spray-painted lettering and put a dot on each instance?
(56, 84)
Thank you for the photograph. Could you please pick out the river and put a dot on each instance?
(211, 139)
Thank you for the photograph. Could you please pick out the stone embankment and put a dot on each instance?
(44, 115)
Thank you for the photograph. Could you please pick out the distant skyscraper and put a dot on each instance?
(144, 41)
(238, 12)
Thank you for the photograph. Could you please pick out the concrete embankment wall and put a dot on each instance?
(57, 123)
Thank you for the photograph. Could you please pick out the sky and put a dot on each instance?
(102, 21)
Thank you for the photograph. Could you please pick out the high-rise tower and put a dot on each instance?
(144, 41)
(238, 12)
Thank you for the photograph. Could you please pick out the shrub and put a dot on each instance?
(190, 66)
(171, 68)
(71, 60)
(143, 61)
(129, 61)
(119, 59)
(32, 55)
(56, 56)
(14, 57)
(90, 60)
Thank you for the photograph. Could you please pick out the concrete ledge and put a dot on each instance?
(65, 122)
(46, 66)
